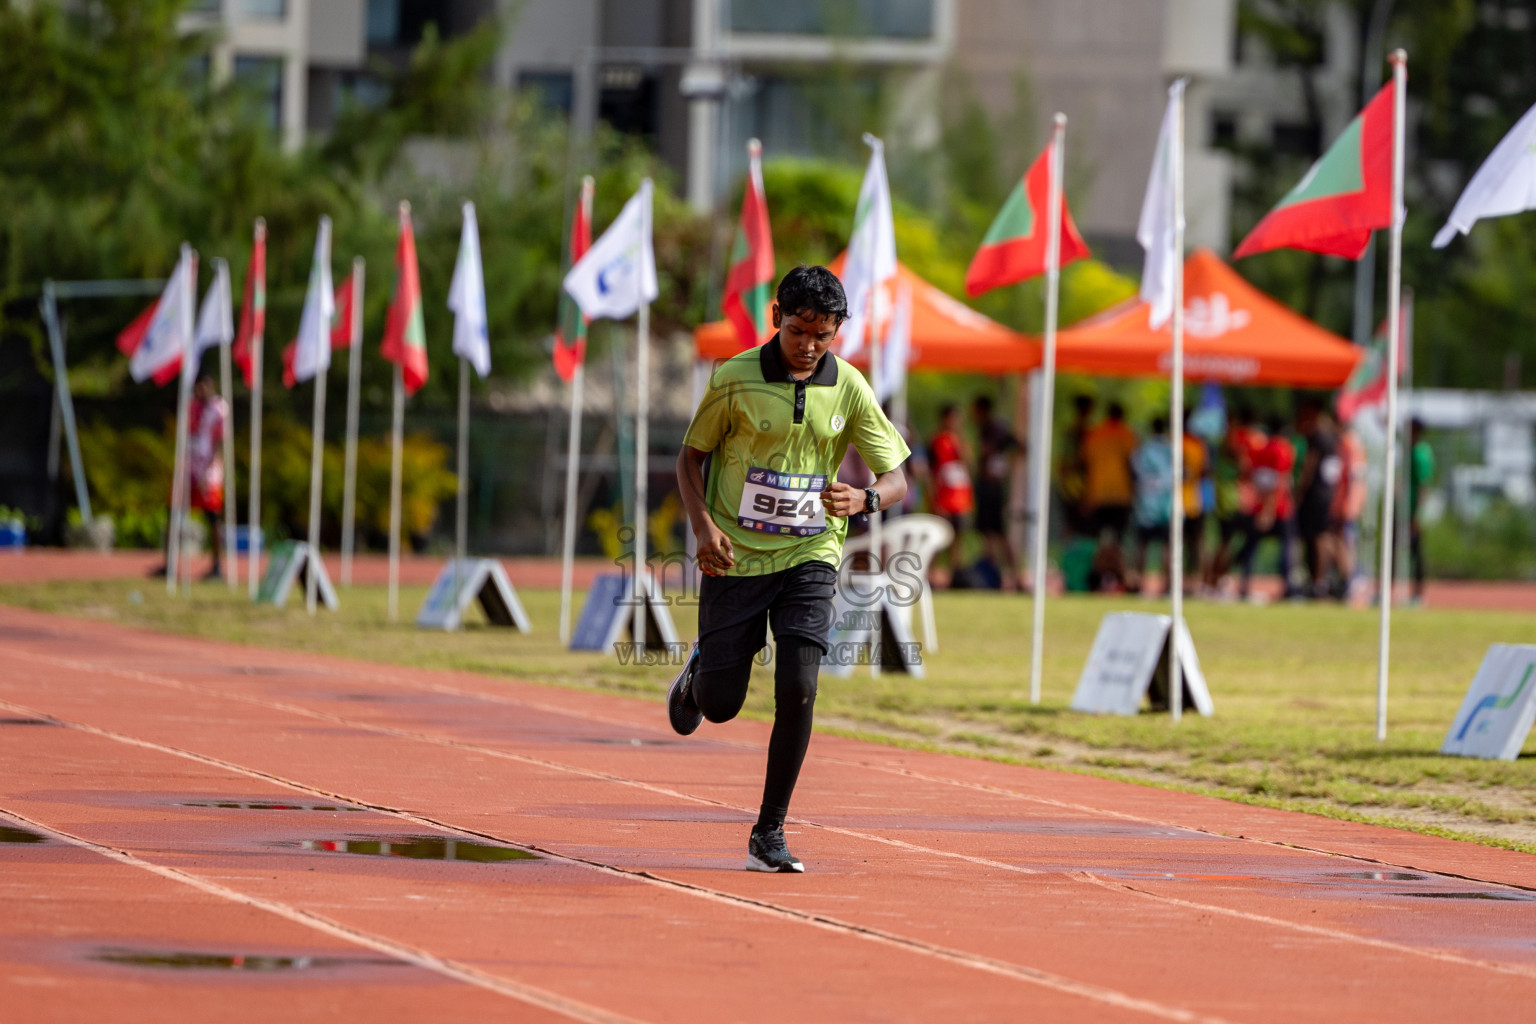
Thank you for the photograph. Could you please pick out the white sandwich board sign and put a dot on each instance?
(869, 627)
(1129, 663)
(463, 581)
(289, 563)
(609, 612)
(1499, 707)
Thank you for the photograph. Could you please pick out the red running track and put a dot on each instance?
(222, 832)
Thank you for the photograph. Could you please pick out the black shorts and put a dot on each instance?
(989, 506)
(1314, 518)
(1114, 518)
(735, 611)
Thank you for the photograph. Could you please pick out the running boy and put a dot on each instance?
(770, 521)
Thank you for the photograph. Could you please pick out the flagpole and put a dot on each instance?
(227, 389)
(461, 510)
(642, 468)
(1175, 572)
(1047, 399)
(187, 266)
(573, 452)
(1399, 61)
(397, 439)
(316, 454)
(253, 514)
(354, 383)
(568, 546)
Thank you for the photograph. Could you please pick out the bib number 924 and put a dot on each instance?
(784, 508)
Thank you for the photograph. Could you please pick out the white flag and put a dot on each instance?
(1505, 184)
(619, 272)
(312, 347)
(466, 298)
(898, 347)
(871, 259)
(165, 342)
(1156, 230)
(216, 317)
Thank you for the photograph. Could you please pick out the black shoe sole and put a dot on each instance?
(684, 720)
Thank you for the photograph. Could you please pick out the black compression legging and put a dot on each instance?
(720, 693)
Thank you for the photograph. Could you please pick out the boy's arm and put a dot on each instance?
(714, 547)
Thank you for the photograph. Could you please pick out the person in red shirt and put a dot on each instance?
(1235, 502)
(207, 419)
(953, 497)
(1274, 507)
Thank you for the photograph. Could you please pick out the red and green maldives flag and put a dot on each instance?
(1344, 197)
(405, 333)
(1014, 248)
(253, 311)
(749, 281)
(1367, 386)
(341, 326)
(569, 355)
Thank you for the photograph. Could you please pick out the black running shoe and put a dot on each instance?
(767, 851)
(681, 708)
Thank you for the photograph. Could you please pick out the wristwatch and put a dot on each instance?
(871, 500)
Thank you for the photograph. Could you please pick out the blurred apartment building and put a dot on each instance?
(699, 77)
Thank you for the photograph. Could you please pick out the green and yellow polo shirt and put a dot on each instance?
(775, 444)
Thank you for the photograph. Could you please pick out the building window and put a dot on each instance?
(1223, 129)
(207, 8)
(383, 22)
(264, 10)
(263, 78)
(889, 19)
(628, 99)
(1296, 139)
(553, 90)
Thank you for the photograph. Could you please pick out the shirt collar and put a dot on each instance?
(775, 372)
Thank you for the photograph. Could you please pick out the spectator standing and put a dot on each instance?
(1236, 500)
(953, 497)
(1152, 464)
(1196, 470)
(1348, 503)
(1107, 488)
(994, 468)
(1072, 471)
(1321, 471)
(207, 418)
(1274, 506)
(1421, 470)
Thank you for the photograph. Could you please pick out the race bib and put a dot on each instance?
(782, 503)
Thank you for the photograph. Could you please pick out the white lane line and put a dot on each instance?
(1243, 915)
(962, 958)
(542, 998)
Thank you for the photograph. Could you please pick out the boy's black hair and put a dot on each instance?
(1116, 411)
(1275, 423)
(1083, 403)
(1159, 424)
(982, 404)
(946, 409)
(814, 290)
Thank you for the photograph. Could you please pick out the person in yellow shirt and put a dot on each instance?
(1108, 488)
(1196, 464)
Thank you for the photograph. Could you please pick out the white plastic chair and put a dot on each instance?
(921, 537)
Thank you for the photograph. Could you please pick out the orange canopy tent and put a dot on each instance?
(946, 335)
(1233, 334)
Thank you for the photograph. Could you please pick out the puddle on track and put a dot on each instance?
(12, 834)
(25, 721)
(416, 848)
(1503, 897)
(186, 960)
(256, 805)
(1380, 876)
(621, 742)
